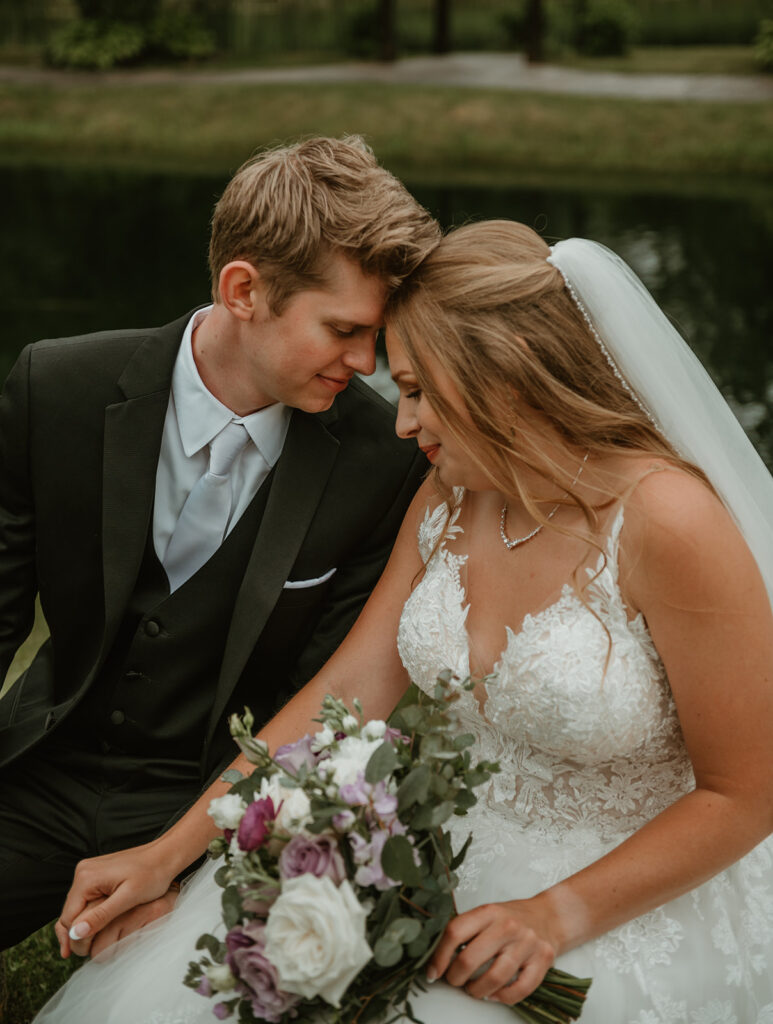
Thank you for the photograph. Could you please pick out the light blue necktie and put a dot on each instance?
(205, 515)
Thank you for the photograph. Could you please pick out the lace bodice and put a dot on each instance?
(585, 734)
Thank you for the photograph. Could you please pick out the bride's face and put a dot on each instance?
(416, 418)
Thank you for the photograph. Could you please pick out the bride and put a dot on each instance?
(596, 541)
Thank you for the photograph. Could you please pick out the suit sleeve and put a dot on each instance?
(18, 581)
(355, 579)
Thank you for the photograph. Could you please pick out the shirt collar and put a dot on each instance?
(201, 416)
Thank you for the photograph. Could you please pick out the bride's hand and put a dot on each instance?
(106, 887)
(497, 951)
(126, 923)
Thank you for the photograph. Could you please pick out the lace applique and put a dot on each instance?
(590, 750)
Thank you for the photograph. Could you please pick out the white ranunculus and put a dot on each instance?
(345, 764)
(227, 811)
(220, 977)
(315, 937)
(292, 806)
(374, 729)
(322, 739)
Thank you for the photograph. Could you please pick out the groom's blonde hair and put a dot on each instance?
(289, 209)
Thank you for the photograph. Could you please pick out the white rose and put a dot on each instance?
(227, 811)
(220, 977)
(374, 730)
(315, 937)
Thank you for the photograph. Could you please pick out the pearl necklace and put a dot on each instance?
(516, 541)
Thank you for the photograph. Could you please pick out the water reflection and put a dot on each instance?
(85, 251)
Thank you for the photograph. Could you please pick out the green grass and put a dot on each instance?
(422, 133)
(673, 60)
(33, 972)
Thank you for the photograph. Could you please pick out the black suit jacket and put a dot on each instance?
(80, 431)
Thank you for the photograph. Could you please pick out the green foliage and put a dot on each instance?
(763, 46)
(33, 972)
(180, 36)
(95, 45)
(100, 43)
(605, 28)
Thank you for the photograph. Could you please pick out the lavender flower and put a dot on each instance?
(256, 976)
(293, 756)
(315, 855)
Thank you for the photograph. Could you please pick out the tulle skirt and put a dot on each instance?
(704, 958)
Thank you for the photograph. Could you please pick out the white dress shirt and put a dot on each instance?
(194, 416)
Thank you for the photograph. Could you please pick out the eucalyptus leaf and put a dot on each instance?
(382, 761)
(386, 952)
(404, 929)
(414, 788)
(466, 739)
(397, 861)
(232, 906)
(232, 775)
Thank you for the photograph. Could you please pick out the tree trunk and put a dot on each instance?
(442, 34)
(387, 48)
(534, 30)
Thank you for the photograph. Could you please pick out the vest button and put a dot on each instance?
(117, 717)
(152, 628)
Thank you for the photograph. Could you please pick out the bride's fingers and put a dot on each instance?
(529, 978)
(458, 933)
(133, 919)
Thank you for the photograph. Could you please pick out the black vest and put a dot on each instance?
(150, 702)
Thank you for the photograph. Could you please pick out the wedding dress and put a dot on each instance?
(587, 757)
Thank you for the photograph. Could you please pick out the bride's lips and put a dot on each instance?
(334, 383)
(430, 450)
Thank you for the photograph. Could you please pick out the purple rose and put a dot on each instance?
(254, 827)
(313, 855)
(292, 756)
(256, 976)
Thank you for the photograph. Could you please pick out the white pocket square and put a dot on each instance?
(303, 584)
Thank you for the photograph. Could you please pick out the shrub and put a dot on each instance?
(763, 45)
(180, 36)
(95, 45)
(605, 29)
(99, 45)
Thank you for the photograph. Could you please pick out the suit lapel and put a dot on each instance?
(133, 430)
(299, 482)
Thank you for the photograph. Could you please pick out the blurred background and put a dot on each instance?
(121, 120)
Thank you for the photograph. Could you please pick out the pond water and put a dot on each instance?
(85, 250)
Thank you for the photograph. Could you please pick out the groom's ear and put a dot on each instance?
(242, 291)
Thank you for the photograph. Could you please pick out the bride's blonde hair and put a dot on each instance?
(489, 308)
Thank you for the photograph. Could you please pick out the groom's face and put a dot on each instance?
(307, 354)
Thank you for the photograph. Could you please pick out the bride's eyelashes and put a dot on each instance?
(416, 393)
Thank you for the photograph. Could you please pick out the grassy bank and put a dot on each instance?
(422, 133)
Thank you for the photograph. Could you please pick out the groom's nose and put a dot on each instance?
(360, 355)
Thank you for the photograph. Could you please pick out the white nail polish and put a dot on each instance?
(79, 931)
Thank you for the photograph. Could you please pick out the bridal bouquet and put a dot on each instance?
(338, 877)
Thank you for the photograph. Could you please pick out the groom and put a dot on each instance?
(203, 509)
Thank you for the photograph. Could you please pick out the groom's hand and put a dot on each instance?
(125, 924)
(105, 888)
